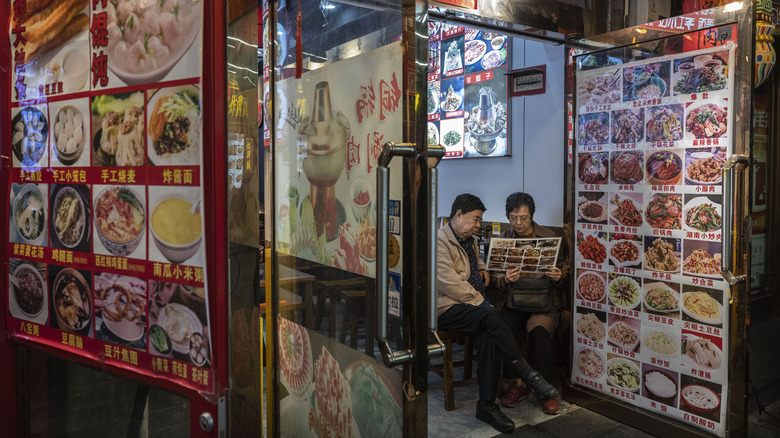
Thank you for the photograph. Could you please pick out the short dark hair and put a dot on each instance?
(466, 203)
(519, 199)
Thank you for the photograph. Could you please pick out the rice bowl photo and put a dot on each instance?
(660, 385)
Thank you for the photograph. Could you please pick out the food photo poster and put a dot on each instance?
(335, 175)
(101, 45)
(105, 218)
(651, 319)
(467, 95)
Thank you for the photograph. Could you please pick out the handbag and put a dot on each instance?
(530, 295)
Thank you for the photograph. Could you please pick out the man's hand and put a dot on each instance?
(554, 273)
(512, 274)
(485, 276)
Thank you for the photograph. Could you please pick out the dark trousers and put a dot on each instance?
(494, 341)
(539, 343)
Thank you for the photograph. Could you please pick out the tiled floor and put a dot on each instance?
(572, 422)
(576, 422)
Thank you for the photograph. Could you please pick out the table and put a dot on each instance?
(291, 277)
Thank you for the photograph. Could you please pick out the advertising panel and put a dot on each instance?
(341, 116)
(106, 248)
(651, 308)
(467, 91)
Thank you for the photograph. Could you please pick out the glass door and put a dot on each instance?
(349, 216)
(661, 177)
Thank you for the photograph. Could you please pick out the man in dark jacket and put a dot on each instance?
(461, 278)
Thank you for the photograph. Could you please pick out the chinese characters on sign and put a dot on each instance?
(106, 234)
(467, 91)
(651, 311)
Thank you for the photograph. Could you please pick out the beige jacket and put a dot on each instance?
(453, 271)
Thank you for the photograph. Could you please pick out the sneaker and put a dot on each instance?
(490, 413)
(514, 395)
(551, 407)
(540, 387)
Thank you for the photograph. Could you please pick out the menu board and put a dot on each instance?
(651, 308)
(106, 252)
(529, 255)
(467, 95)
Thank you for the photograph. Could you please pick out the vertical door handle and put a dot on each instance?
(389, 356)
(434, 154)
(729, 186)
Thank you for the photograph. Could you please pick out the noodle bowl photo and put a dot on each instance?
(120, 218)
(69, 223)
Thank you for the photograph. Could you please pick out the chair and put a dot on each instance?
(447, 367)
(357, 296)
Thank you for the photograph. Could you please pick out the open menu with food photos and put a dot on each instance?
(467, 95)
(106, 225)
(529, 255)
(651, 307)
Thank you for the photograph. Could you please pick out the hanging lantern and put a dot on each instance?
(765, 53)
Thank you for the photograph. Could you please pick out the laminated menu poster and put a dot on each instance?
(64, 47)
(467, 96)
(105, 224)
(529, 255)
(651, 307)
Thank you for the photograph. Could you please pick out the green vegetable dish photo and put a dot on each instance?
(451, 138)
(623, 292)
(623, 373)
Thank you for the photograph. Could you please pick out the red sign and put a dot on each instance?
(470, 4)
(527, 81)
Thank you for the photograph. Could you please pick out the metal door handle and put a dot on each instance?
(729, 183)
(434, 155)
(389, 357)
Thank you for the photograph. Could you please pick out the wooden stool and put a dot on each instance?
(446, 368)
(354, 303)
(356, 293)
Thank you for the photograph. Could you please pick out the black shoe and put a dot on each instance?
(490, 413)
(540, 388)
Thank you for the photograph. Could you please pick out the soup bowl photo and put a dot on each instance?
(72, 304)
(28, 290)
(29, 215)
(176, 229)
(699, 398)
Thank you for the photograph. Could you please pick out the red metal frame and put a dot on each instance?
(7, 356)
(214, 177)
(214, 92)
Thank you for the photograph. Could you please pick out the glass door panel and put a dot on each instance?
(335, 94)
(244, 182)
(658, 146)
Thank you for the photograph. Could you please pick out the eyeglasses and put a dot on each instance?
(519, 219)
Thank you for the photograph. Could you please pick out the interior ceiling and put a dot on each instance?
(329, 23)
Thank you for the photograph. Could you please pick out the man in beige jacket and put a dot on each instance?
(461, 278)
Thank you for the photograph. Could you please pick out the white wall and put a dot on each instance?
(538, 150)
